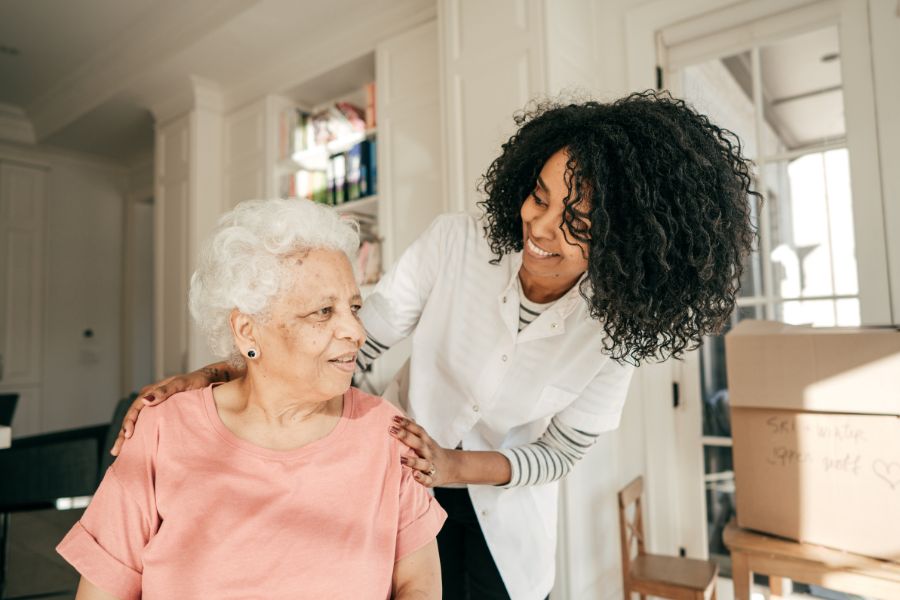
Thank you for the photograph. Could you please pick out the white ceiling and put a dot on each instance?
(89, 71)
(55, 38)
(801, 87)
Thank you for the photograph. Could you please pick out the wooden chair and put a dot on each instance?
(653, 574)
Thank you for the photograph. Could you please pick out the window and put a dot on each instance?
(778, 84)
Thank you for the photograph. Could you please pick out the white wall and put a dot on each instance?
(137, 301)
(884, 23)
(84, 289)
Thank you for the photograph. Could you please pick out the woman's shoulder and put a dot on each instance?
(462, 234)
(372, 417)
(456, 227)
(372, 408)
(179, 409)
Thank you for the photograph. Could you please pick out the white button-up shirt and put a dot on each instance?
(475, 379)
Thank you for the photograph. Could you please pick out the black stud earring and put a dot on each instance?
(251, 353)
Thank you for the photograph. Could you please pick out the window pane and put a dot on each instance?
(818, 313)
(802, 96)
(722, 89)
(752, 277)
(848, 312)
(813, 252)
(840, 208)
(751, 312)
(719, 495)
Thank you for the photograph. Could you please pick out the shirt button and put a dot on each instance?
(504, 299)
(553, 325)
(484, 513)
(503, 358)
(475, 407)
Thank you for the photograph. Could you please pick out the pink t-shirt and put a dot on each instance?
(189, 510)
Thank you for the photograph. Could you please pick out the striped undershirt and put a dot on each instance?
(528, 310)
(548, 459)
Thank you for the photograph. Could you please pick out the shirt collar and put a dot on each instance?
(563, 307)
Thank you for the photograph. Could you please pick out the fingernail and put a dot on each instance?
(148, 398)
(404, 460)
(394, 430)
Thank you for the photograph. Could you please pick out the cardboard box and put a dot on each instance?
(815, 418)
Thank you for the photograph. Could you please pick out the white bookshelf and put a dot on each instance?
(367, 205)
(410, 190)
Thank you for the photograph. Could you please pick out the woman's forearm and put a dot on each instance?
(477, 467)
(222, 371)
(89, 591)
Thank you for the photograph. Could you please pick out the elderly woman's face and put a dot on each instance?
(312, 334)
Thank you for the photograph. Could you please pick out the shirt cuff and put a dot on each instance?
(515, 471)
(95, 564)
(421, 531)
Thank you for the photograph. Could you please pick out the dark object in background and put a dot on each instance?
(8, 404)
(38, 469)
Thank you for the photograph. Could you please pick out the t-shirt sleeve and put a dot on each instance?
(421, 517)
(106, 544)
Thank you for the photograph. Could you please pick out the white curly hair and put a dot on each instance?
(241, 266)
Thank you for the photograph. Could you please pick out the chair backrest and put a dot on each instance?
(112, 433)
(631, 529)
(8, 408)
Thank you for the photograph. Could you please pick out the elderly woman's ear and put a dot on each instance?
(242, 327)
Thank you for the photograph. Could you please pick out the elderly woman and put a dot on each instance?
(281, 483)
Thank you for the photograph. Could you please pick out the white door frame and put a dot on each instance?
(141, 195)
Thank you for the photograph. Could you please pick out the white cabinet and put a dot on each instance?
(410, 154)
(22, 207)
(187, 204)
(171, 244)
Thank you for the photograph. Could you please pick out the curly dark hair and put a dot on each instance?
(660, 195)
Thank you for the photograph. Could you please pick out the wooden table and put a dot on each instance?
(784, 560)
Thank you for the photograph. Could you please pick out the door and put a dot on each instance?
(21, 271)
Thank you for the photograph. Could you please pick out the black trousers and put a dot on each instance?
(468, 571)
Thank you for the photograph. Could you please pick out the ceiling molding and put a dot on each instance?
(15, 125)
(47, 156)
(314, 55)
(166, 30)
(193, 93)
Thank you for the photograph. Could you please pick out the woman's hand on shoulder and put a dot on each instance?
(159, 392)
(433, 465)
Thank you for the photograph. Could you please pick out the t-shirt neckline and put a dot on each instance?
(215, 421)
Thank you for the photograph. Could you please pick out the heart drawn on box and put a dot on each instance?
(890, 472)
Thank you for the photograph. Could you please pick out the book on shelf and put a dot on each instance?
(355, 115)
(372, 171)
(368, 260)
(332, 152)
(354, 169)
(370, 106)
(339, 181)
